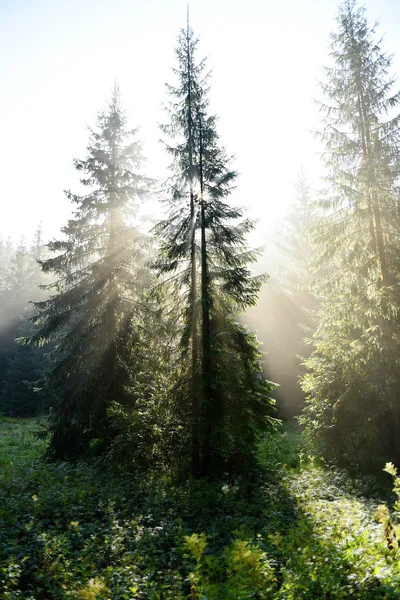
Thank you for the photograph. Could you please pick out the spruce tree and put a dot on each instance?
(361, 151)
(203, 248)
(178, 232)
(295, 244)
(353, 378)
(93, 313)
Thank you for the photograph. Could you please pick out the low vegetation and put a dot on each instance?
(82, 531)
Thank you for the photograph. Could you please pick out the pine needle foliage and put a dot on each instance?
(353, 380)
(203, 252)
(94, 312)
(361, 139)
(296, 246)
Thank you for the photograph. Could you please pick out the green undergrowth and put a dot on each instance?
(89, 532)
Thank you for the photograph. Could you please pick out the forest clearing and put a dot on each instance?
(87, 531)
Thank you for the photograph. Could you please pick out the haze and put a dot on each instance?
(60, 61)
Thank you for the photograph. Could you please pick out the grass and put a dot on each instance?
(18, 442)
(84, 532)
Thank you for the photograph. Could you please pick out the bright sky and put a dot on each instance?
(60, 58)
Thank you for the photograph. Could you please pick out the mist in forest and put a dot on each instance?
(174, 261)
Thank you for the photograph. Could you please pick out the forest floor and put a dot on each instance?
(87, 532)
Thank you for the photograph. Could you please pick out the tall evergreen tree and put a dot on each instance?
(353, 378)
(203, 247)
(295, 243)
(361, 150)
(93, 311)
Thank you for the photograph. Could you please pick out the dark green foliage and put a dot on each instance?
(353, 381)
(21, 369)
(90, 533)
(22, 393)
(239, 408)
(222, 397)
(93, 313)
(148, 430)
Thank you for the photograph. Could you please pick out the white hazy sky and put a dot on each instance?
(60, 58)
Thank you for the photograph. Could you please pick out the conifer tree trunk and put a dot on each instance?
(381, 247)
(373, 203)
(206, 333)
(365, 155)
(193, 283)
(111, 324)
